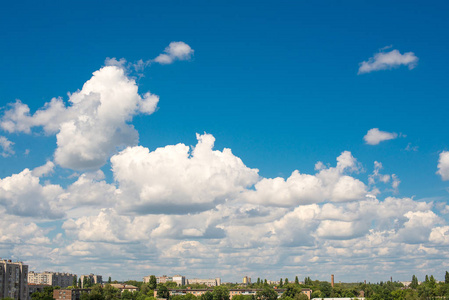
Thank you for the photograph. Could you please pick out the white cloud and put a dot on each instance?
(94, 126)
(374, 136)
(6, 146)
(418, 227)
(388, 60)
(299, 189)
(44, 170)
(440, 235)
(23, 195)
(14, 231)
(175, 51)
(443, 165)
(175, 179)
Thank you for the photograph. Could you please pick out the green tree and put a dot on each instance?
(74, 282)
(427, 279)
(325, 288)
(414, 283)
(286, 281)
(163, 292)
(207, 296)
(221, 293)
(127, 295)
(152, 282)
(110, 292)
(291, 291)
(432, 282)
(96, 293)
(302, 297)
(296, 280)
(79, 282)
(258, 280)
(267, 293)
(280, 283)
(109, 279)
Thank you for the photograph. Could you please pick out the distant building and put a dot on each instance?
(124, 287)
(94, 279)
(206, 282)
(51, 278)
(246, 280)
(73, 294)
(32, 288)
(13, 280)
(179, 279)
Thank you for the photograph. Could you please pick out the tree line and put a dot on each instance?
(429, 289)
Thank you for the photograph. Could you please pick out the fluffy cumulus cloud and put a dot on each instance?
(329, 184)
(94, 125)
(6, 147)
(388, 60)
(175, 51)
(176, 179)
(23, 195)
(374, 136)
(443, 165)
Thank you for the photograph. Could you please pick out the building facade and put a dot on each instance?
(93, 279)
(73, 294)
(179, 279)
(13, 280)
(51, 278)
(125, 287)
(206, 282)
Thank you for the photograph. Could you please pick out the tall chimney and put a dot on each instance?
(332, 280)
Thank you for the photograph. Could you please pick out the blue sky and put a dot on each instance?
(280, 84)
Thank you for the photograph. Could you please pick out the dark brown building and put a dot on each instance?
(73, 294)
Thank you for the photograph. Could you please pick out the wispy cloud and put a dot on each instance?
(6, 147)
(374, 136)
(388, 60)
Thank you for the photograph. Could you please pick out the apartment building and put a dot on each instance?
(73, 294)
(179, 279)
(13, 280)
(206, 282)
(51, 278)
(94, 279)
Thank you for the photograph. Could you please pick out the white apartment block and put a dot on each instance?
(51, 278)
(13, 280)
(179, 279)
(207, 282)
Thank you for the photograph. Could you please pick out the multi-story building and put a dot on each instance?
(179, 279)
(13, 280)
(125, 287)
(62, 280)
(33, 287)
(246, 280)
(206, 282)
(94, 279)
(73, 294)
